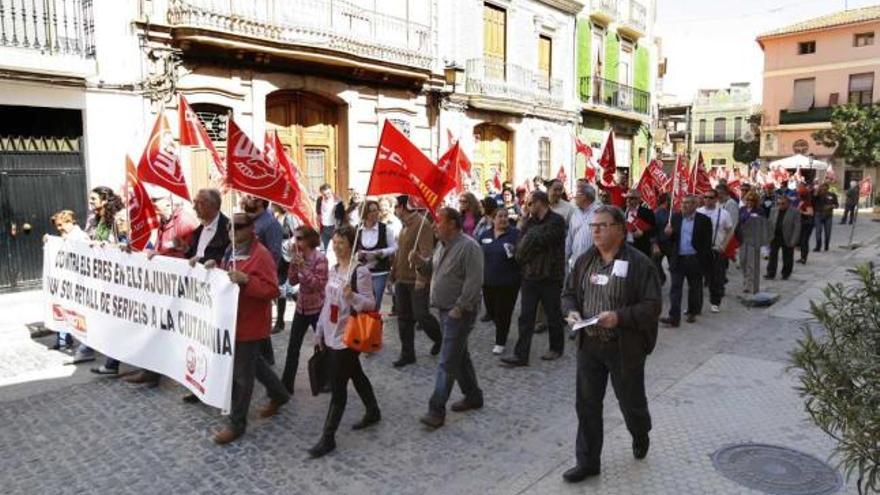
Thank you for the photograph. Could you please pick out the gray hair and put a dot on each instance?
(588, 190)
(614, 212)
(213, 195)
(452, 215)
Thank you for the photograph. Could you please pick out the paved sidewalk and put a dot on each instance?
(717, 382)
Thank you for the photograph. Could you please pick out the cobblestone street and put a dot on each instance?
(710, 384)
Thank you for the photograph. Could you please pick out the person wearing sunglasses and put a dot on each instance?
(722, 230)
(616, 285)
(252, 267)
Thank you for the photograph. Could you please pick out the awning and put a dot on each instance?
(799, 161)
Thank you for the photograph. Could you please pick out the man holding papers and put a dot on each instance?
(612, 299)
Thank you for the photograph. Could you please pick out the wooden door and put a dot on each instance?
(308, 128)
(494, 41)
(494, 151)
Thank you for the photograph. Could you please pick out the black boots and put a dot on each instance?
(325, 445)
(371, 417)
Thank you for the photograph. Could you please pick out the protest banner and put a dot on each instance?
(159, 314)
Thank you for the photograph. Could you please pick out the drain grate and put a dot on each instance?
(776, 470)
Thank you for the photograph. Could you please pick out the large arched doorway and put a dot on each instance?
(308, 126)
(494, 151)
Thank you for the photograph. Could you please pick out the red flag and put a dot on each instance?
(160, 163)
(193, 133)
(450, 163)
(582, 149)
(733, 186)
(561, 176)
(634, 222)
(647, 187)
(679, 183)
(142, 219)
(699, 182)
(730, 249)
(249, 170)
(658, 176)
(301, 205)
(616, 194)
(590, 173)
(401, 168)
(608, 162)
(496, 180)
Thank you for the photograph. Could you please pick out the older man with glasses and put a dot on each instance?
(616, 289)
(722, 229)
(690, 257)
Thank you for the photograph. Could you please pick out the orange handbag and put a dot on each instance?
(363, 331)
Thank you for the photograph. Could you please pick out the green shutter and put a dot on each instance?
(612, 56)
(583, 55)
(642, 69)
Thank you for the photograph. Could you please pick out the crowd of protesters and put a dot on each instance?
(583, 264)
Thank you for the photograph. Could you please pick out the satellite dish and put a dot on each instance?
(747, 136)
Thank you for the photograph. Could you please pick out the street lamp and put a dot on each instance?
(450, 74)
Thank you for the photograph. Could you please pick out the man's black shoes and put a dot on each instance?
(579, 473)
(640, 446)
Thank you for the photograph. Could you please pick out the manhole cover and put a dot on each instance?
(776, 470)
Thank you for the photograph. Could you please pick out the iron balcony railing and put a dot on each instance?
(337, 25)
(495, 77)
(51, 27)
(611, 94)
(725, 137)
(813, 115)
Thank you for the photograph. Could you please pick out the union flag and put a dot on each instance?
(160, 162)
(142, 218)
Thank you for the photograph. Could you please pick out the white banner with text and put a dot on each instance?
(159, 314)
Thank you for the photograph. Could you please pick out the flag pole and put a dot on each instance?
(231, 204)
(359, 227)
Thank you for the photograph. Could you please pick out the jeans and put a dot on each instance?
(326, 236)
(806, 230)
(501, 300)
(455, 364)
(298, 328)
(549, 294)
(687, 268)
(597, 360)
(849, 211)
(248, 365)
(717, 278)
(379, 282)
(787, 258)
(823, 225)
(412, 307)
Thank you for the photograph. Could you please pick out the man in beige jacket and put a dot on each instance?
(411, 289)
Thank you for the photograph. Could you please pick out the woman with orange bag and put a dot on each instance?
(341, 299)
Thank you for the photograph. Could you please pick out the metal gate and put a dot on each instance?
(37, 178)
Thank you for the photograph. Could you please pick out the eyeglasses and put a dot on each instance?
(602, 225)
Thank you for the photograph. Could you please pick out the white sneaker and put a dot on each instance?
(498, 349)
(715, 308)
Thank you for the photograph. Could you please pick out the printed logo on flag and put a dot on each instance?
(73, 319)
(256, 172)
(162, 157)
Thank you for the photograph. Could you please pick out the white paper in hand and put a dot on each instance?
(584, 323)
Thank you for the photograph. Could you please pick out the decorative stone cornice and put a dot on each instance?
(568, 6)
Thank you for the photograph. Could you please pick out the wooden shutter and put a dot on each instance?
(545, 57)
(494, 40)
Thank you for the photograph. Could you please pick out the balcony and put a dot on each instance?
(720, 138)
(610, 94)
(813, 115)
(63, 28)
(604, 11)
(334, 25)
(497, 79)
(635, 20)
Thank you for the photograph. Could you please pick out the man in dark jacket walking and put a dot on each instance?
(541, 254)
(786, 234)
(619, 286)
(690, 257)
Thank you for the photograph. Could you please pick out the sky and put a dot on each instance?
(711, 43)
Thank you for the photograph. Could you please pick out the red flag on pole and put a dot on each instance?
(193, 133)
(301, 205)
(142, 217)
(582, 149)
(648, 184)
(160, 162)
(249, 170)
(454, 163)
(679, 182)
(699, 182)
(496, 180)
(401, 168)
(608, 162)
